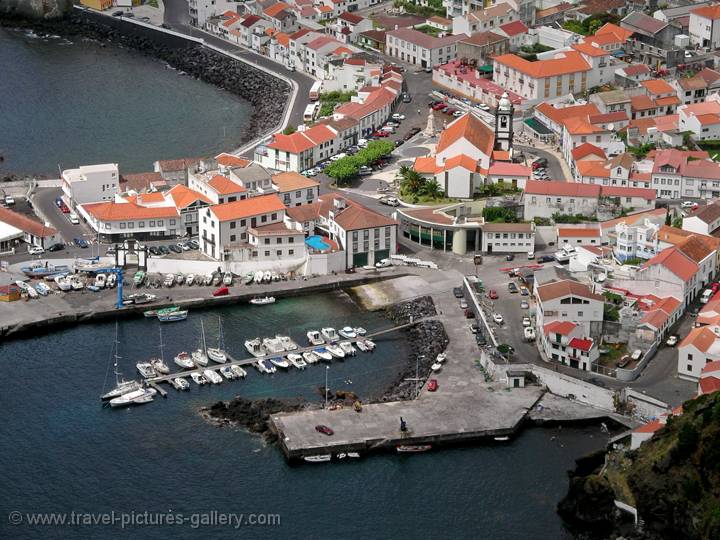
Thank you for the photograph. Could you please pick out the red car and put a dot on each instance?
(715, 287)
(439, 106)
(381, 134)
(432, 385)
(492, 295)
(324, 430)
(222, 291)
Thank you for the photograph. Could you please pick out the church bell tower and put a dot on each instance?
(504, 124)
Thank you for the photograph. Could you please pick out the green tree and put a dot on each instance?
(499, 214)
(677, 222)
(668, 218)
(432, 189)
(343, 169)
(289, 130)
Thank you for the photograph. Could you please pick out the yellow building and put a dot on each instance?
(100, 5)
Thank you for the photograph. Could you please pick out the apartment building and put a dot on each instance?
(90, 183)
(704, 26)
(420, 49)
(569, 301)
(699, 348)
(565, 342)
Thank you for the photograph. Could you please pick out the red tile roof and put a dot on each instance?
(587, 149)
(711, 12)
(558, 114)
(566, 287)
(253, 206)
(128, 211)
(561, 189)
(581, 344)
(509, 169)
(25, 224)
(224, 186)
(354, 216)
(708, 385)
(470, 128)
(568, 62)
(183, 196)
(579, 232)
(514, 28)
(229, 160)
(675, 261)
(559, 327)
(650, 427)
(711, 366)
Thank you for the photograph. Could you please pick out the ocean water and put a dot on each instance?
(76, 103)
(62, 452)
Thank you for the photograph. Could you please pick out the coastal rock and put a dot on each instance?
(589, 506)
(251, 414)
(35, 9)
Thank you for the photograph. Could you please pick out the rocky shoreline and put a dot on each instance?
(267, 94)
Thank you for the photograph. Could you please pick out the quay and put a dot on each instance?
(154, 381)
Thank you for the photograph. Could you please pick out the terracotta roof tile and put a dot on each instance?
(567, 287)
(224, 186)
(567, 62)
(290, 181)
(253, 206)
(128, 211)
(471, 128)
(677, 262)
(25, 224)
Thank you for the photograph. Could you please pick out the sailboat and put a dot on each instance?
(121, 385)
(218, 354)
(199, 356)
(159, 363)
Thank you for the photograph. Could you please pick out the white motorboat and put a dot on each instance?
(77, 284)
(280, 362)
(111, 281)
(179, 278)
(273, 346)
(274, 276)
(370, 344)
(315, 338)
(227, 279)
(217, 278)
(265, 366)
(32, 293)
(146, 369)
(329, 334)
(441, 358)
(258, 277)
(169, 280)
(42, 289)
(121, 385)
(267, 276)
(262, 300)
(360, 331)
(287, 343)
(413, 448)
(323, 353)
(239, 372)
(136, 397)
(180, 384)
(255, 347)
(184, 360)
(296, 360)
(437, 366)
(159, 366)
(208, 279)
(63, 283)
(212, 376)
(348, 332)
(228, 373)
(336, 351)
(100, 281)
(347, 348)
(310, 357)
(353, 455)
(22, 285)
(198, 378)
(322, 458)
(189, 280)
(360, 344)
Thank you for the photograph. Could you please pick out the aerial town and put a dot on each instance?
(532, 187)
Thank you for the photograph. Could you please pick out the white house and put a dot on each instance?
(420, 49)
(565, 342)
(700, 347)
(569, 301)
(294, 189)
(508, 237)
(90, 183)
(704, 26)
(506, 173)
(704, 220)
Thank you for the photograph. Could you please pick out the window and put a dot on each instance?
(267, 253)
(291, 240)
(263, 219)
(152, 223)
(233, 224)
(172, 222)
(131, 225)
(122, 225)
(232, 237)
(160, 223)
(291, 252)
(580, 313)
(689, 367)
(267, 240)
(278, 240)
(242, 222)
(273, 216)
(690, 357)
(141, 225)
(279, 253)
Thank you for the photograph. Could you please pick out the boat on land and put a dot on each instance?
(217, 278)
(348, 332)
(146, 369)
(175, 316)
(189, 280)
(239, 372)
(228, 373)
(413, 448)
(296, 360)
(255, 347)
(217, 354)
(121, 385)
(198, 378)
(336, 351)
(184, 360)
(163, 311)
(347, 348)
(111, 281)
(267, 276)
(329, 334)
(138, 298)
(248, 279)
(323, 353)
(262, 300)
(265, 366)
(179, 278)
(208, 279)
(77, 283)
(258, 277)
(280, 362)
(287, 343)
(227, 279)
(40, 270)
(321, 458)
(100, 281)
(63, 283)
(273, 345)
(32, 293)
(310, 357)
(315, 338)
(169, 280)
(42, 289)
(179, 383)
(138, 278)
(212, 376)
(136, 397)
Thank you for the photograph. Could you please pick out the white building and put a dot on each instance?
(704, 26)
(295, 190)
(90, 183)
(565, 342)
(700, 347)
(569, 301)
(420, 49)
(705, 220)
(508, 237)
(636, 240)
(201, 10)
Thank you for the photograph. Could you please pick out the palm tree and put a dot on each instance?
(432, 189)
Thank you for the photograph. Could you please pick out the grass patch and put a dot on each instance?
(711, 147)
(430, 30)
(152, 3)
(615, 352)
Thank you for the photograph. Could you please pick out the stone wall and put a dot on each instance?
(35, 9)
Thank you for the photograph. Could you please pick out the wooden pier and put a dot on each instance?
(154, 381)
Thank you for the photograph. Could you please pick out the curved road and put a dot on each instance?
(554, 169)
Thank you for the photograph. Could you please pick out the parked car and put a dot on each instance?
(56, 247)
(492, 294)
(439, 105)
(398, 116)
(469, 314)
(671, 341)
(118, 13)
(399, 142)
(406, 98)
(715, 287)
(463, 304)
(624, 361)
(390, 201)
(153, 250)
(174, 248)
(512, 287)
(480, 339)
(526, 321)
(498, 318)
(35, 250)
(687, 204)
(364, 171)
(458, 292)
(524, 305)
(524, 291)
(80, 242)
(320, 428)
(111, 251)
(73, 219)
(193, 244)
(509, 257)
(432, 385)
(636, 354)
(474, 328)
(458, 114)
(163, 250)
(546, 258)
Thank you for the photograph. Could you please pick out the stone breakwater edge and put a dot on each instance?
(269, 94)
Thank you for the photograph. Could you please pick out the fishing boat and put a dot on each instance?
(329, 334)
(180, 383)
(267, 276)
(321, 458)
(413, 448)
(179, 279)
(360, 331)
(63, 283)
(208, 279)
(93, 288)
(265, 366)
(100, 280)
(138, 278)
(42, 289)
(323, 354)
(440, 358)
(146, 369)
(315, 338)
(335, 350)
(248, 279)
(370, 344)
(198, 378)
(273, 346)
(174, 316)
(501, 439)
(39, 270)
(184, 360)
(111, 281)
(310, 357)
(212, 376)
(77, 284)
(255, 347)
(169, 280)
(139, 298)
(262, 300)
(121, 385)
(348, 332)
(274, 276)
(217, 278)
(32, 293)
(347, 348)
(136, 397)
(227, 279)
(217, 354)
(280, 362)
(437, 366)
(189, 280)
(228, 373)
(287, 343)
(258, 277)
(239, 372)
(155, 312)
(360, 344)
(296, 360)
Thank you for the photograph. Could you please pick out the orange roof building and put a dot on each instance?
(467, 135)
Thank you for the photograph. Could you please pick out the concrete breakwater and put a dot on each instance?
(267, 94)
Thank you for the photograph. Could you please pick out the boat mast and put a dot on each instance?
(162, 356)
(202, 330)
(117, 355)
(221, 339)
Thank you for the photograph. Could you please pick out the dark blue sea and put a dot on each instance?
(62, 452)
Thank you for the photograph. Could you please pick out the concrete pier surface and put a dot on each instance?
(553, 409)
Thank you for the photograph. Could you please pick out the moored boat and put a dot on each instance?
(162, 311)
(310, 357)
(136, 397)
(212, 376)
(296, 360)
(228, 373)
(413, 448)
(347, 332)
(184, 360)
(315, 338)
(239, 372)
(329, 334)
(174, 316)
(262, 300)
(199, 358)
(159, 366)
(360, 331)
(273, 345)
(323, 353)
(347, 348)
(121, 385)
(146, 370)
(370, 344)
(280, 362)
(335, 350)
(198, 378)
(255, 347)
(321, 458)
(264, 366)
(287, 343)
(180, 383)
(360, 344)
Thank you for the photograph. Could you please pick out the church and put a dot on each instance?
(470, 154)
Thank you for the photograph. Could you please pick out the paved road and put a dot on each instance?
(44, 202)
(555, 170)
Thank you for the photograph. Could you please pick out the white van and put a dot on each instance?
(74, 219)
(706, 296)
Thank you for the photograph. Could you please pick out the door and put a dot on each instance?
(516, 383)
(360, 259)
